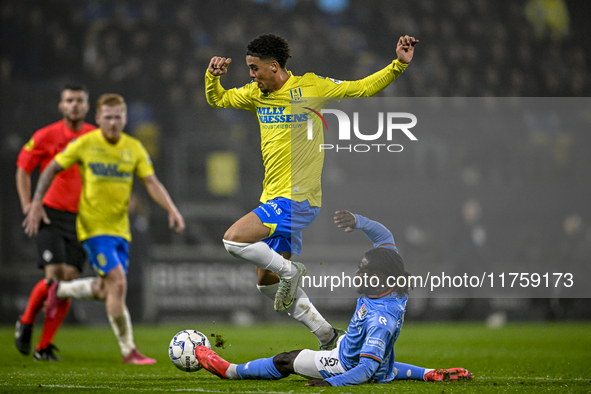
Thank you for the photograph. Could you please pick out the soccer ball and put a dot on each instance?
(182, 349)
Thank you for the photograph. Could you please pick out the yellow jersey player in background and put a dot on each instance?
(108, 160)
(269, 235)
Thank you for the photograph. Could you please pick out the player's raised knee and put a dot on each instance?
(232, 235)
(236, 249)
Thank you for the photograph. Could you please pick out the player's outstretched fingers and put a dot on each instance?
(345, 219)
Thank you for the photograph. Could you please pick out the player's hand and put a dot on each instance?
(176, 222)
(405, 48)
(345, 219)
(318, 383)
(219, 65)
(34, 216)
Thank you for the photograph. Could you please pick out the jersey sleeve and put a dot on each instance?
(144, 166)
(218, 97)
(366, 87)
(377, 339)
(361, 373)
(30, 154)
(71, 154)
(376, 232)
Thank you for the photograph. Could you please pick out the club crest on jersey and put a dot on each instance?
(296, 94)
(362, 312)
(337, 81)
(126, 154)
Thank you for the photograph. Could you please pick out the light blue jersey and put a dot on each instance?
(372, 332)
(375, 326)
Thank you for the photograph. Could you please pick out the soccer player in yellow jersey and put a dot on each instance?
(108, 160)
(269, 235)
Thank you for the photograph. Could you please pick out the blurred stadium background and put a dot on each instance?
(155, 54)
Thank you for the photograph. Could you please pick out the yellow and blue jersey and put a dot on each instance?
(107, 175)
(293, 164)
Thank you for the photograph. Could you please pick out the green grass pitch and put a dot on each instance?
(522, 358)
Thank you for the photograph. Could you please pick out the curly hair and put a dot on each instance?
(269, 46)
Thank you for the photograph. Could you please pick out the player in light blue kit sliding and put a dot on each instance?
(366, 352)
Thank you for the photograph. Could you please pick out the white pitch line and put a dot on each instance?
(198, 390)
(66, 386)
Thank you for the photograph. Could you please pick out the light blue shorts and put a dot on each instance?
(107, 252)
(286, 219)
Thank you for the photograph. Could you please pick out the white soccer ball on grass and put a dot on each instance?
(182, 349)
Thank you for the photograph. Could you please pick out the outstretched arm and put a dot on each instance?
(159, 194)
(216, 95)
(36, 212)
(375, 83)
(375, 231)
(361, 373)
(214, 92)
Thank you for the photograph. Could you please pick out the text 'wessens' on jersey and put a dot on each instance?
(276, 115)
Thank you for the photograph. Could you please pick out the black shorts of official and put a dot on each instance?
(57, 241)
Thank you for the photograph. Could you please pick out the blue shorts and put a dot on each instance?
(286, 219)
(107, 252)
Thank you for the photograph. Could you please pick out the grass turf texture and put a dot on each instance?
(522, 358)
